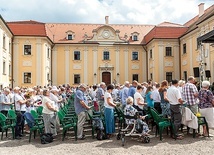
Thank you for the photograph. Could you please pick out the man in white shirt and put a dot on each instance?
(20, 107)
(156, 98)
(174, 97)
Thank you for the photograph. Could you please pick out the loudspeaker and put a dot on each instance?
(207, 72)
(196, 71)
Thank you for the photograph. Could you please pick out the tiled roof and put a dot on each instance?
(164, 32)
(57, 31)
(193, 20)
(27, 28)
(169, 24)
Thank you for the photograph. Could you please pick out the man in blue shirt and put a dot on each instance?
(124, 94)
(81, 106)
(132, 89)
(100, 95)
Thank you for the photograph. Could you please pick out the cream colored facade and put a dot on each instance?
(34, 68)
(192, 58)
(161, 65)
(5, 54)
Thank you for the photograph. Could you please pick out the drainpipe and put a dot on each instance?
(12, 78)
(146, 62)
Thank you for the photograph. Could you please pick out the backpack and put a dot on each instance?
(101, 134)
(46, 138)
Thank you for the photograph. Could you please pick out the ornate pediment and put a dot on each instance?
(106, 34)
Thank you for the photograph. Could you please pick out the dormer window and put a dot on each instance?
(70, 35)
(135, 36)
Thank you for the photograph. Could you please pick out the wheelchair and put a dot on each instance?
(131, 131)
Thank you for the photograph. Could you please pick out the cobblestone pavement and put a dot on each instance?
(187, 146)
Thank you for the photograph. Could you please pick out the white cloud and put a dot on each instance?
(94, 11)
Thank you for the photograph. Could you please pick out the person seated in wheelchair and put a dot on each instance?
(132, 116)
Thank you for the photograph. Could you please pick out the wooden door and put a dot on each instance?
(106, 77)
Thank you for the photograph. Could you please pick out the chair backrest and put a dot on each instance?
(11, 114)
(60, 115)
(39, 110)
(34, 114)
(2, 119)
(155, 115)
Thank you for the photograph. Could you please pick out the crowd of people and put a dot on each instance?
(23, 100)
(165, 97)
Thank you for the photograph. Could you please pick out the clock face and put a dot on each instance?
(106, 34)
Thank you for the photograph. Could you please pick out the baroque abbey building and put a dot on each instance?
(34, 53)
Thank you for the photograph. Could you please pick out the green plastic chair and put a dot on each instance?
(161, 122)
(38, 125)
(67, 124)
(120, 116)
(12, 116)
(5, 124)
(39, 110)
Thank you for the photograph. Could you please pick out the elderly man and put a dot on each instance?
(80, 104)
(174, 97)
(124, 95)
(132, 89)
(5, 101)
(190, 94)
(20, 107)
(100, 95)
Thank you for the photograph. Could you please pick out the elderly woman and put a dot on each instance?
(129, 110)
(49, 115)
(181, 84)
(138, 99)
(206, 103)
(109, 111)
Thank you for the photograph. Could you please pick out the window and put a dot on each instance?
(151, 76)
(4, 67)
(135, 77)
(48, 76)
(184, 49)
(70, 36)
(10, 48)
(169, 76)
(76, 78)
(27, 49)
(10, 70)
(4, 42)
(168, 51)
(134, 55)
(76, 55)
(106, 55)
(135, 38)
(27, 77)
(150, 54)
(48, 52)
(185, 75)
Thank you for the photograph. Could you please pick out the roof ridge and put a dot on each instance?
(197, 17)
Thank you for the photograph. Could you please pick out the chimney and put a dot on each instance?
(106, 20)
(201, 9)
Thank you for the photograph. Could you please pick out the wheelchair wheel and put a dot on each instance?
(123, 141)
(118, 136)
(146, 139)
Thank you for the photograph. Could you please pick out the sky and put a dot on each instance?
(94, 11)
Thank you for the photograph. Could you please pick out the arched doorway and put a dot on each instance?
(106, 77)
